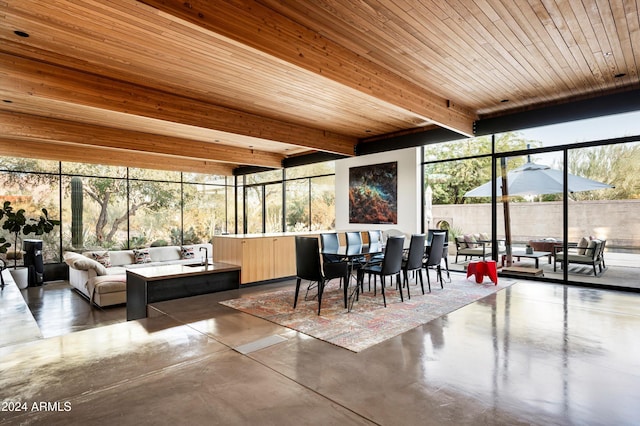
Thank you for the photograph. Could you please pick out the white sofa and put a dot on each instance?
(107, 286)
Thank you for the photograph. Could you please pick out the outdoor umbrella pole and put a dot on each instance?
(505, 206)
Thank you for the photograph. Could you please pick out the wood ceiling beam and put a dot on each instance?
(29, 127)
(25, 77)
(263, 29)
(61, 151)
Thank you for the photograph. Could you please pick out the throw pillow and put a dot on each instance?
(484, 236)
(141, 256)
(102, 257)
(582, 245)
(186, 252)
(83, 263)
(70, 257)
(471, 241)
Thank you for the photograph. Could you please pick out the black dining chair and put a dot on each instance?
(445, 250)
(354, 243)
(308, 267)
(329, 241)
(434, 258)
(413, 261)
(391, 265)
(375, 237)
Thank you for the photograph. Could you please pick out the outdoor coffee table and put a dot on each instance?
(536, 255)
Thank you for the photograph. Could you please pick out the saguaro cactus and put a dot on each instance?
(76, 212)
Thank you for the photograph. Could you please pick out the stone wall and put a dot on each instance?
(615, 221)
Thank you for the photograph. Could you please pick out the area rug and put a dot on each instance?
(369, 322)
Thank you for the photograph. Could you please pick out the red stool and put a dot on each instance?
(483, 268)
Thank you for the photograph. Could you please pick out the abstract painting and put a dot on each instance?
(373, 194)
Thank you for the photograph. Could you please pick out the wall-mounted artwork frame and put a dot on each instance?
(373, 194)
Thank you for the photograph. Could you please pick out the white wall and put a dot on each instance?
(409, 190)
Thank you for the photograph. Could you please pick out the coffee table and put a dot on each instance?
(536, 255)
(167, 282)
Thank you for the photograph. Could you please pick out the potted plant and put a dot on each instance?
(17, 223)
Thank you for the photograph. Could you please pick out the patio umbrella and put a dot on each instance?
(532, 179)
(537, 179)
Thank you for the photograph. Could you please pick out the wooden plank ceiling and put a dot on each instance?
(209, 86)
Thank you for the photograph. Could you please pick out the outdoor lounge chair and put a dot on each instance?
(592, 255)
(471, 249)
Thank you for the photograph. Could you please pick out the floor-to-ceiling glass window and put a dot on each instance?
(273, 207)
(310, 192)
(31, 185)
(154, 207)
(94, 213)
(308, 202)
(205, 207)
(298, 205)
(602, 236)
(113, 207)
(323, 202)
(452, 169)
(604, 150)
(529, 213)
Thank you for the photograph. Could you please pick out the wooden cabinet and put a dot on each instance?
(260, 257)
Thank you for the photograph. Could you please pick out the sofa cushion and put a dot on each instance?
(102, 257)
(83, 263)
(118, 270)
(141, 256)
(107, 284)
(162, 254)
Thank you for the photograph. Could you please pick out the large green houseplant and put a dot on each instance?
(17, 223)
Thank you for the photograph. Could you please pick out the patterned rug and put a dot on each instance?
(369, 322)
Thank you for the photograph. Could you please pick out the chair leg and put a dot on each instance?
(421, 282)
(384, 299)
(320, 291)
(375, 283)
(406, 283)
(440, 275)
(446, 265)
(346, 288)
(428, 279)
(295, 300)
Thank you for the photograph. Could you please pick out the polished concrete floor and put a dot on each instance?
(532, 354)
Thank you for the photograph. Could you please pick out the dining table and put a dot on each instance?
(351, 254)
(358, 251)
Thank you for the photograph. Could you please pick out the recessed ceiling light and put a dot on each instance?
(21, 33)
(608, 54)
(620, 75)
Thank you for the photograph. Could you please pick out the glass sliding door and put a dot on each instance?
(530, 219)
(603, 223)
(446, 205)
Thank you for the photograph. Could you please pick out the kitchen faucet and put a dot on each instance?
(205, 259)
